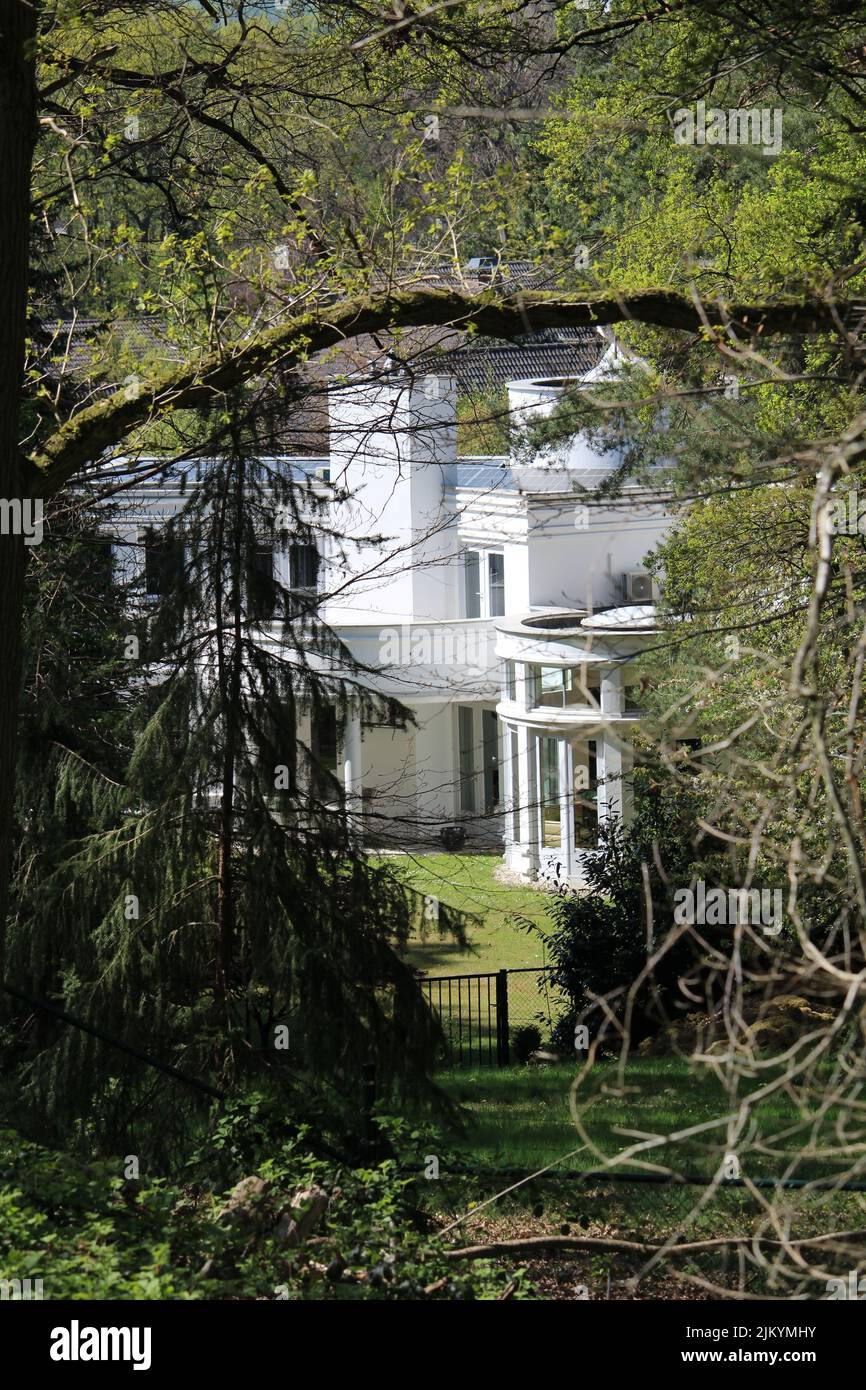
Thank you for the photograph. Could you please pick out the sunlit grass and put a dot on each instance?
(467, 884)
(519, 1117)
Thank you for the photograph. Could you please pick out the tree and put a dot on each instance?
(240, 137)
(194, 883)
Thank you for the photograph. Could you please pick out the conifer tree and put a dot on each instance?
(213, 905)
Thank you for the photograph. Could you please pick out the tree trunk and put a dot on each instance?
(229, 673)
(17, 139)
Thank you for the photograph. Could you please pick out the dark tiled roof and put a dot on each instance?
(73, 348)
(77, 346)
(482, 363)
(507, 277)
(90, 357)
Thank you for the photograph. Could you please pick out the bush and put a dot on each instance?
(453, 836)
(88, 1232)
(599, 946)
(525, 1041)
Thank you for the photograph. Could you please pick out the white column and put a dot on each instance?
(506, 787)
(609, 777)
(527, 761)
(612, 690)
(615, 792)
(437, 767)
(610, 748)
(566, 804)
(352, 761)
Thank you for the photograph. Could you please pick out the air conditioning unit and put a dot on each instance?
(323, 475)
(639, 587)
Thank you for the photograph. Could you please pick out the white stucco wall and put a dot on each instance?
(388, 443)
(578, 553)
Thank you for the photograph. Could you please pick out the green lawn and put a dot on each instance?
(466, 884)
(519, 1117)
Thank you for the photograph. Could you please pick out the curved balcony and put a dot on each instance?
(568, 721)
(583, 719)
(554, 637)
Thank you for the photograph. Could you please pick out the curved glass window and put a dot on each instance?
(560, 687)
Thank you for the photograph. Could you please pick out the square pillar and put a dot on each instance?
(437, 768)
(528, 858)
(616, 760)
(353, 769)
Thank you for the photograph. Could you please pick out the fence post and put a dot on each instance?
(502, 1048)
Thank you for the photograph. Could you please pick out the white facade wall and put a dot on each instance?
(389, 443)
(578, 551)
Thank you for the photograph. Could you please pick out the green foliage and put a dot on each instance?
(205, 898)
(524, 1041)
(604, 944)
(89, 1232)
(483, 425)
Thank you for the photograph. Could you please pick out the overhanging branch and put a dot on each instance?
(104, 426)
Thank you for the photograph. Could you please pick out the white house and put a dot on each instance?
(502, 602)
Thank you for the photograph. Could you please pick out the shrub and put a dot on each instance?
(453, 836)
(599, 947)
(525, 1041)
(89, 1233)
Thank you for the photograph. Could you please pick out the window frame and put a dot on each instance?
(466, 768)
(478, 586)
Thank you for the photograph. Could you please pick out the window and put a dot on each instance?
(549, 686)
(263, 561)
(483, 584)
(509, 681)
(94, 561)
(466, 750)
(323, 745)
(548, 753)
(515, 785)
(163, 562)
(559, 686)
(303, 577)
(581, 687)
(585, 787)
(495, 585)
(274, 744)
(472, 583)
(490, 754)
(261, 590)
(304, 567)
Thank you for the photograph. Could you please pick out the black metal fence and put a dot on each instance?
(479, 1011)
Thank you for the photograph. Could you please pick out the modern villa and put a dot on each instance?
(502, 601)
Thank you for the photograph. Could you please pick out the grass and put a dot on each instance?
(519, 1120)
(465, 883)
(519, 1117)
